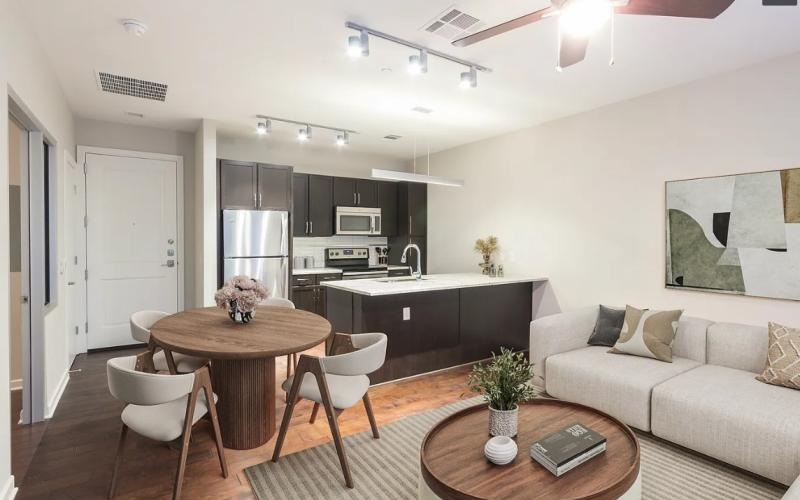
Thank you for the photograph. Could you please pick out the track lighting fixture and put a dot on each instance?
(469, 79)
(343, 139)
(358, 45)
(264, 127)
(418, 64)
(304, 134)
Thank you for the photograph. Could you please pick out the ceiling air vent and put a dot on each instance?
(452, 24)
(133, 87)
(392, 137)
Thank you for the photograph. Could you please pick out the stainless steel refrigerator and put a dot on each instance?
(256, 244)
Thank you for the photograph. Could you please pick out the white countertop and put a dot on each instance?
(429, 283)
(315, 270)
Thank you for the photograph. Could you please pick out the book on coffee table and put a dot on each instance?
(567, 448)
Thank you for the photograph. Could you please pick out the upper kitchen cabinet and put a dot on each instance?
(412, 209)
(349, 192)
(313, 205)
(252, 186)
(237, 185)
(387, 201)
(274, 187)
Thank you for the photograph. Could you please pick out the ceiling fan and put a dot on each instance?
(578, 19)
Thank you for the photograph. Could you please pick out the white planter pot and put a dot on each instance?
(503, 423)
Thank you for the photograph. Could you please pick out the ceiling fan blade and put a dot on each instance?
(702, 9)
(571, 50)
(504, 27)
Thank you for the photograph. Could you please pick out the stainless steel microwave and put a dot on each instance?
(358, 221)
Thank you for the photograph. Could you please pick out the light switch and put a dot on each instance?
(406, 313)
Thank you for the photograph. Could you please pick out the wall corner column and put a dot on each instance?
(206, 212)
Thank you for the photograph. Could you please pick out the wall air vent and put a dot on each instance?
(133, 87)
(453, 24)
(392, 137)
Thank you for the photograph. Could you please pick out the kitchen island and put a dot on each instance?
(440, 321)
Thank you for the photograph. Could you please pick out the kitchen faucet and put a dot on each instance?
(418, 273)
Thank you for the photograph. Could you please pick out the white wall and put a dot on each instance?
(153, 140)
(206, 213)
(25, 73)
(305, 158)
(581, 200)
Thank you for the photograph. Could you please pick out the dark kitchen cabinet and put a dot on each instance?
(304, 298)
(237, 185)
(308, 293)
(387, 201)
(313, 205)
(252, 186)
(349, 192)
(274, 187)
(412, 223)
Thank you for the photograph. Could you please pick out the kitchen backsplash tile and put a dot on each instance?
(315, 247)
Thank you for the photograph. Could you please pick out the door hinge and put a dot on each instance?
(85, 221)
(86, 327)
(86, 274)
(84, 168)
(76, 330)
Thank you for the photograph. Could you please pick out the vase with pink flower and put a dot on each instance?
(239, 296)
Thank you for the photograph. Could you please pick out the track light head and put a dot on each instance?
(358, 45)
(418, 64)
(343, 139)
(264, 127)
(304, 134)
(469, 79)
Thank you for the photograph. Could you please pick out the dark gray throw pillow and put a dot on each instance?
(606, 330)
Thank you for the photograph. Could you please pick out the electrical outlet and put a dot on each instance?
(406, 313)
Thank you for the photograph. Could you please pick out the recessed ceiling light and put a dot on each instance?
(135, 115)
(134, 26)
(422, 109)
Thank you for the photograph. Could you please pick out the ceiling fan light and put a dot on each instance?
(583, 18)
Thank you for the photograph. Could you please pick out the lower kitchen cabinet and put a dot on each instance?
(308, 294)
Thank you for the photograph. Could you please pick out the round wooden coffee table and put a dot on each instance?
(453, 464)
(243, 361)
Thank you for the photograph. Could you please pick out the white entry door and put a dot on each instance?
(75, 241)
(132, 242)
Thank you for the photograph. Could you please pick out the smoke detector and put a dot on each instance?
(134, 26)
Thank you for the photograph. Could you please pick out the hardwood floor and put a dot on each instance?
(73, 460)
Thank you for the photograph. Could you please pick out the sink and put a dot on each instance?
(401, 279)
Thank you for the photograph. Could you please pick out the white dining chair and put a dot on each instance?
(291, 359)
(336, 382)
(162, 407)
(141, 322)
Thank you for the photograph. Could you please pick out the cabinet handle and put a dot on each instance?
(409, 225)
(355, 197)
(306, 227)
(255, 200)
(259, 200)
(311, 225)
(359, 198)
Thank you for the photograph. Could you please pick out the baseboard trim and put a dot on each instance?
(53, 403)
(15, 384)
(9, 490)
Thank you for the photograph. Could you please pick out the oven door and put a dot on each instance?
(357, 221)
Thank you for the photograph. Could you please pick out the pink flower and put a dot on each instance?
(242, 293)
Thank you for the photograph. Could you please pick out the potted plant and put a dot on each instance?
(503, 381)
(486, 247)
(239, 296)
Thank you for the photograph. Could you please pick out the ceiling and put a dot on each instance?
(229, 61)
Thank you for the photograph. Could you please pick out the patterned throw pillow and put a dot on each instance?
(783, 357)
(647, 333)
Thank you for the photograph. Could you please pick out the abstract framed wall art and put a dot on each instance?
(735, 234)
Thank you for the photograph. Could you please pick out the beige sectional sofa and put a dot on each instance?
(707, 399)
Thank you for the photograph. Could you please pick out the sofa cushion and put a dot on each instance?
(794, 491)
(738, 346)
(727, 414)
(690, 338)
(648, 333)
(783, 357)
(606, 330)
(617, 385)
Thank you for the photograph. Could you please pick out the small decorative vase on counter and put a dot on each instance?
(503, 422)
(500, 450)
(238, 316)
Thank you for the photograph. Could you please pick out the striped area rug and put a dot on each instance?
(388, 468)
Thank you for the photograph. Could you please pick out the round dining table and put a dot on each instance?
(242, 361)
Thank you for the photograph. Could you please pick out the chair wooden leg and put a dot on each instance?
(187, 436)
(117, 460)
(371, 416)
(212, 411)
(332, 415)
(314, 413)
(291, 401)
